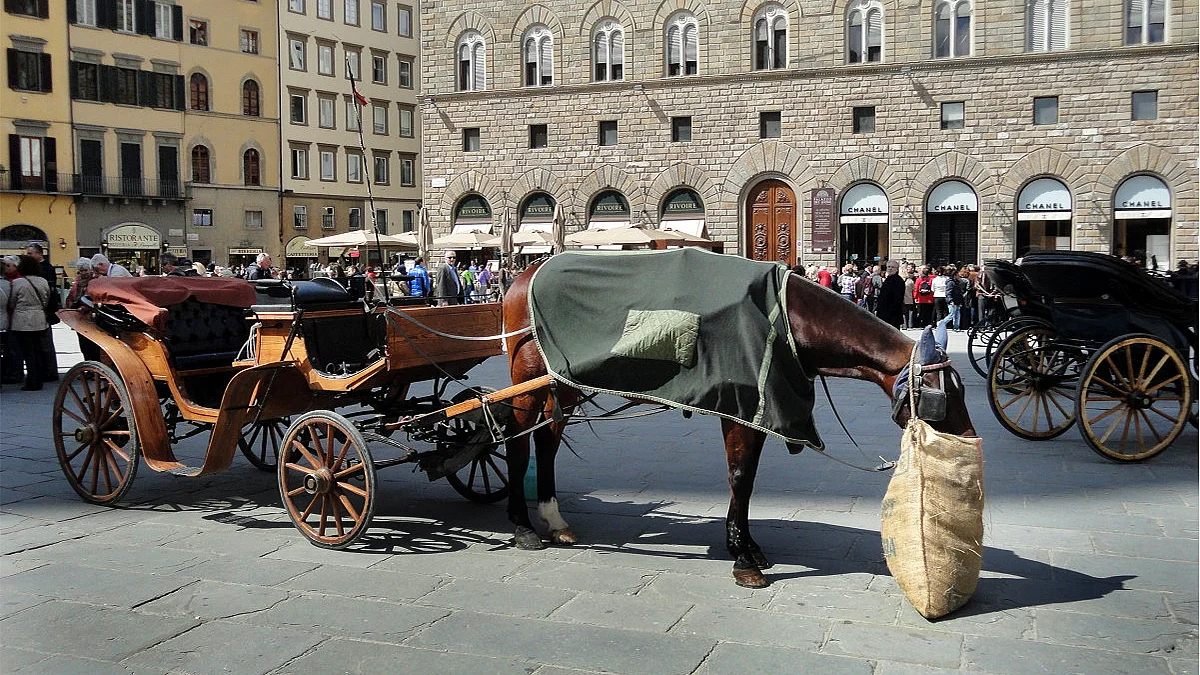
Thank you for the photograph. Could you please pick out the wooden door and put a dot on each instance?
(772, 223)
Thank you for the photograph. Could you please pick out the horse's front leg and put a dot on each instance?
(525, 414)
(743, 447)
(546, 440)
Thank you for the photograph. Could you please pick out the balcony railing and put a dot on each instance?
(100, 186)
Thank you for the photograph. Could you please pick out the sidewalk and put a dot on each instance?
(1089, 566)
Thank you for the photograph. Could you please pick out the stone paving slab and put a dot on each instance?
(221, 647)
(730, 658)
(102, 633)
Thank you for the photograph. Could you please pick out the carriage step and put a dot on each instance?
(185, 471)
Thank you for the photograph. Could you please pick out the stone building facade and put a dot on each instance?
(825, 132)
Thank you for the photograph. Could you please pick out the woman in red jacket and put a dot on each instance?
(923, 295)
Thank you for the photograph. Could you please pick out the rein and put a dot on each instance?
(885, 466)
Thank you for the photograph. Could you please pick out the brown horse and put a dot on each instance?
(832, 337)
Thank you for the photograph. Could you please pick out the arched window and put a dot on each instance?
(201, 165)
(952, 28)
(199, 92)
(609, 51)
(472, 62)
(1145, 22)
(682, 45)
(1046, 25)
(864, 32)
(770, 38)
(250, 168)
(250, 98)
(538, 56)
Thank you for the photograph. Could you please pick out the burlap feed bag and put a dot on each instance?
(932, 525)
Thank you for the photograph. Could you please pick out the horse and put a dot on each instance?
(832, 337)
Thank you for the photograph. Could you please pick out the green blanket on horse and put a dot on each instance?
(688, 328)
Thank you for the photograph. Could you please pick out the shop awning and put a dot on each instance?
(1044, 199)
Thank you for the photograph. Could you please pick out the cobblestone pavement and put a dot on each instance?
(1089, 566)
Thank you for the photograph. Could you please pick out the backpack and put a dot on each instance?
(924, 286)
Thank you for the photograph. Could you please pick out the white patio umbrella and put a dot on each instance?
(424, 234)
(363, 238)
(558, 230)
(621, 236)
(463, 240)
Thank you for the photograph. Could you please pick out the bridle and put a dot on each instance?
(925, 403)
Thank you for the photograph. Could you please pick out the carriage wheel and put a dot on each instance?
(977, 344)
(260, 442)
(1002, 333)
(1134, 398)
(484, 479)
(1031, 384)
(327, 479)
(95, 437)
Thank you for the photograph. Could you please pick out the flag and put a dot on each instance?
(362, 100)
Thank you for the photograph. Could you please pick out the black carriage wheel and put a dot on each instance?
(977, 343)
(260, 442)
(95, 437)
(1031, 384)
(1134, 398)
(484, 479)
(327, 479)
(1002, 333)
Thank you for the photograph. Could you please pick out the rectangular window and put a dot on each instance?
(27, 8)
(300, 163)
(379, 118)
(164, 91)
(163, 26)
(378, 15)
(85, 12)
(864, 119)
(1145, 105)
(328, 165)
(31, 161)
(325, 9)
(28, 71)
(404, 15)
(381, 170)
(681, 129)
(324, 59)
(407, 220)
(408, 172)
(471, 139)
(127, 91)
(355, 218)
(953, 115)
(353, 58)
(1045, 110)
(296, 6)
(353, 167)
(327, 218)
(539, 136)
(87, 81)
(325, 113)
(379, 69)
(406, 121)
(253, 220)
(202, 217)
(381, 220)
(607, 133)
(126, 16)
(198, 32)
(405, 79)
(770, 124)
(299, 109)
(351, 12)
(352, 113)
(300, 217)
(248, 41)
(297, 54)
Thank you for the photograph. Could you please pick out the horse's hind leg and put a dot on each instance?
(743, 447)
(547, 440)
(526, 411)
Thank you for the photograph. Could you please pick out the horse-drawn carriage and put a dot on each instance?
(263, 367)
(1098, 341)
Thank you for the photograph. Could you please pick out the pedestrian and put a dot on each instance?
(848, 282)
(107, 268)
(27, 302)
(923, 296)
(448, 286)
(483, 279)
(824, 277)
(940, 307)
(954, 299)
(418, 286)
(261, 269)
(467, 276)
(890, 303)
(85, 272)
(46, 271)
(910, 301)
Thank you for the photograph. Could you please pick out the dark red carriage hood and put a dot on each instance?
(147, 298)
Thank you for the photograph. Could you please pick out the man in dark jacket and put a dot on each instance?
(46, 271)
(448, 286)
(261, 269)
(889, 306)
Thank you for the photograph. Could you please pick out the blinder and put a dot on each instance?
(931, 402)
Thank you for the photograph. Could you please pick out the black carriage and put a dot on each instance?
(1101, 342)
(1018, 306)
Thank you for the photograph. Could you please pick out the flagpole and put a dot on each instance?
(358, 106)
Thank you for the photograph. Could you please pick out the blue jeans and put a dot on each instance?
(955, 315)
(939, 332)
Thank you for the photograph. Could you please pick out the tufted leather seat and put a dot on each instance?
(205, 335)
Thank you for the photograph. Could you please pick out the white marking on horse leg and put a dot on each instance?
(548, 512)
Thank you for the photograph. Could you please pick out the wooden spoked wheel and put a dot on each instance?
(1031, 385)
(327, 479)
(260, 442)
(94, 433)
(1134, 398)
(484, 479)
(977, 343)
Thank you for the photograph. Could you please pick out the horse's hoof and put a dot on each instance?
(563, 537)
(760, 561)
(528, 540)
(750, 578)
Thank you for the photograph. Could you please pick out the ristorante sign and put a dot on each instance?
(134, 237)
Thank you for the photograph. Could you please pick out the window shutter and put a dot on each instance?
(477, 60)
(50, 162)
(1058, 25)
(13, 71)
(177, 22)
(106, 83)
(71, 17)
(1037, 25)
(546, 59)
(14, 159)
(74, 75)
(618, 49)
(180, 87)
(530, 51)
(46, 84)
(691, 44)
(674, 46)
(145, 84)
(44, 8)
(1136, 9)
(144, 10)
(106, 13)
(874, 29)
